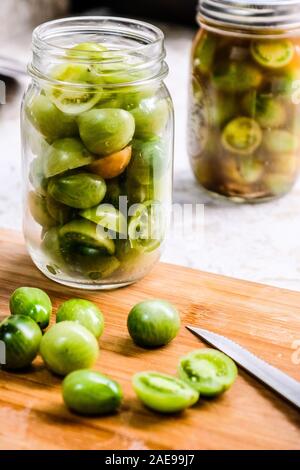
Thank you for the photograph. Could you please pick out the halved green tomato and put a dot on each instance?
(83, 232)
(280, 141)
(107, 216)
(273, 53)
(208, 371)
(78, 98)
(64, 155)
(146, 226)
(164, 393)
(242, 136)
(51, 246)
(205, 52)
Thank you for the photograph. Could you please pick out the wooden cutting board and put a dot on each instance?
(265, 320)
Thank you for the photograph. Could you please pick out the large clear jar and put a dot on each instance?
(97, 129)
(244, 110)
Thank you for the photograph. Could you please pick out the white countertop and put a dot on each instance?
(253, 242)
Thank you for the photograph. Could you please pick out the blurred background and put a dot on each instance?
(259, 242)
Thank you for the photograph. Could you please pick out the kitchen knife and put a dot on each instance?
(283, 384)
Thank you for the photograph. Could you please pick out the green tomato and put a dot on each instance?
(68, 346)
(21, 337)
(273, 53)
(31, 302)
(151, 117)
(208, 371)
(114, 191)
(205, 51)
(236, 77)
(222, 109)
(146, 227)
(38, 209)
(83, 232)
(280, 141)
(90, 393)
(83, 312)
(51, 246)
(49, 120)
(164, 393)
(250, 169)
(80, 190)
(37, 176)
(140, 193)
(106, 131)
(278, 184)
(87, 50)
(242, 136)
(153, 323)
(64, 155)
(59, 212)
(72, 99)
(149, 161)
(265, 109)
(90, 262)
(107, 217)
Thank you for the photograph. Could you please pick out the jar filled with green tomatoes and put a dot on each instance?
(97, 130)
(244, 110)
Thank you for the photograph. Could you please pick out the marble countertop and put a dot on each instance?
(253, 242)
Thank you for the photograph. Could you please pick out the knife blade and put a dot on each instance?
(287, 387)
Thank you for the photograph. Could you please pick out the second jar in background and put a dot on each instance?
(244, 114)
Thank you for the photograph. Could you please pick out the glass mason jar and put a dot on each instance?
(97, 128)
(244, 112)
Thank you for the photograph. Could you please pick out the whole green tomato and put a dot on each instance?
(21, 337)
(31, 302)
(83, 312)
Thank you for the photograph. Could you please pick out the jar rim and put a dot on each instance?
(251, 15)
(43, 33)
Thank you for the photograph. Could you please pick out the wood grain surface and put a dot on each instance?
(265, 320)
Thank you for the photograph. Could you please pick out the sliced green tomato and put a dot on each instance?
(49, 120)
(208, 371)
(280, 141)
(236, 77)
(205, 52)
(79, 93)
(38, 209)
(242, 136)
(84, 232)
(265, 109)
(91, 262)
(271, 53)
(107, 216)
(164, 393)
(64, 155)
(146, 226)
(80, 191)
